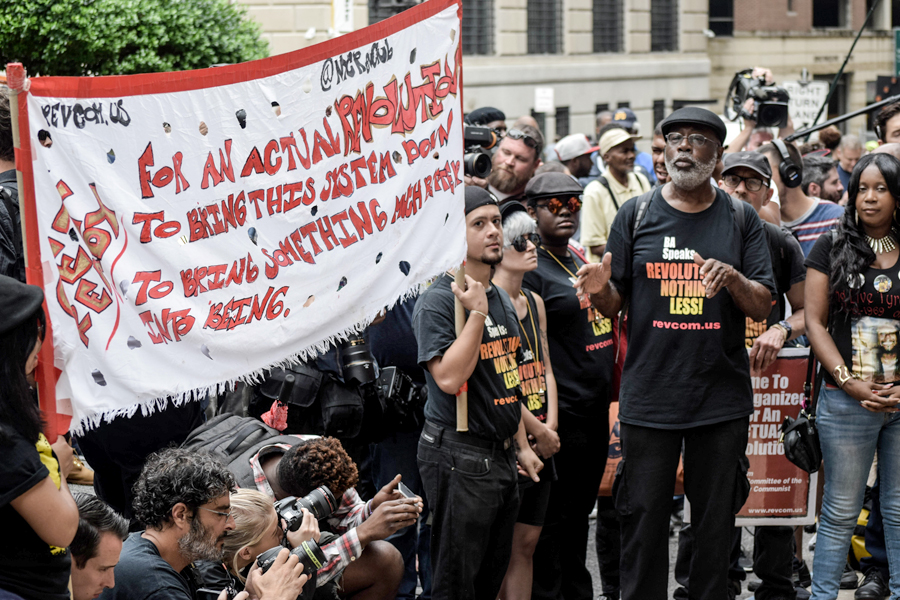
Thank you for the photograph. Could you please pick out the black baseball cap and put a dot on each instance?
(693, 115)
(476, 197)
(751, 160)
(19, 302)
(547, 185)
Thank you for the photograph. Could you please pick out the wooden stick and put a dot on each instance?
(462, 397)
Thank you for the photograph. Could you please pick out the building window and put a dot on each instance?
(659, 112)
(544, 26)
(541, 119)
(478, 27)
(721, 17)
(830, 13)
(608, 26)
(562, 121)
(663, 25)
(838, 105)
(895, 13)
(624, 104)
(380, 10)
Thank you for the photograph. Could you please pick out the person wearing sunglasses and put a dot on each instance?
(686, 378)
(539, 410)
(514, 162)
(580, 346)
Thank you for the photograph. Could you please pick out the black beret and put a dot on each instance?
(485, 115)
(510, 207)
(476, 197)
(19, 301)
(693, 115)
(547, 185)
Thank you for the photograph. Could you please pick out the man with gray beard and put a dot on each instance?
(183, 498)
(692, 267)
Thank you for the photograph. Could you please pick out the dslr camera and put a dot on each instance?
(771, 101)
(320, 502)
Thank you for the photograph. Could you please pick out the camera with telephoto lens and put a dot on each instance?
(310, 554)
(320, 502)
(771, 101)
(477, 141)
(357, 363)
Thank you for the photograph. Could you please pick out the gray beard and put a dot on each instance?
(504, 181)
(196, 545)
(695, 177)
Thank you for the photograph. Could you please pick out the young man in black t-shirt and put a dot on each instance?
(470, 478)
(692, 271)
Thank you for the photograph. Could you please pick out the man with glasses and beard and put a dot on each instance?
(514, 162)
(693, 267)
(183, 498)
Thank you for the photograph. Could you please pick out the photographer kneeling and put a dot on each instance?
(367, 566)
(184, 500)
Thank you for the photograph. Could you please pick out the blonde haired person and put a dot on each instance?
(257, 529)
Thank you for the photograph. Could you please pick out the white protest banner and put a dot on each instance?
(806, 100)
(193, 229)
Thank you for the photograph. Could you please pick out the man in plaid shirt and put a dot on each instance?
(357, 553)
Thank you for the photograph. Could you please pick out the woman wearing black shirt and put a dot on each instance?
(539, 408)
(38, 513)
(581, 348)
(852, 316)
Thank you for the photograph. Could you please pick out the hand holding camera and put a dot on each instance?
(308, 530)
(281, 579)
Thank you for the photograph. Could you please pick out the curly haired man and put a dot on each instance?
(183, 498)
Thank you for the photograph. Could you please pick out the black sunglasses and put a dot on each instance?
(520, 135)
(521, 242)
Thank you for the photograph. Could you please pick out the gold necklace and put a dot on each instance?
(883, 244)
(571, 274)
(597, 316)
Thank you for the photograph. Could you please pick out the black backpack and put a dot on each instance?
(234, 441)
(9, 196)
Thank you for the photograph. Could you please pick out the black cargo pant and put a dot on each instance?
(716, 485)
(473, 491)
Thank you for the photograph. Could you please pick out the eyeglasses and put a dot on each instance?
(521, 242)
(216, 512)
(519, 135)
(753, 184)
(556, 206)
(695, 139)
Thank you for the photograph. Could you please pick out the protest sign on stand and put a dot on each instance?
(194, 229)
(780, 492)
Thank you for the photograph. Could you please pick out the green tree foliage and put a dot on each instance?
(119, 37)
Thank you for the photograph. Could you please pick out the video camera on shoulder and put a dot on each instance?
(477, 141)
(771, 101)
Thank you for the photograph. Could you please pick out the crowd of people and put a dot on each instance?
(595, 273)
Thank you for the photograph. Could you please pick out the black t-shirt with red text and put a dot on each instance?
(579, 337)
(686, 364)
(531, 369)
(493, 388)
(869, 341)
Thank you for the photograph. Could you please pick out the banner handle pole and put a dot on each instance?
(462, 396)
(18, 86)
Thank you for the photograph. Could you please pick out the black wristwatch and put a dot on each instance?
(787, 327)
